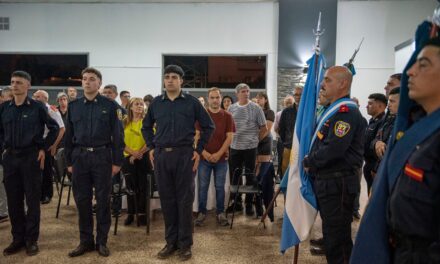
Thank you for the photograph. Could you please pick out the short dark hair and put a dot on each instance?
(148, 98)
(122, 93)
(379, 97)
(92, 70)
(113, 87)
(22, 74)
(174, 69)
(397, 76)
(395, 91)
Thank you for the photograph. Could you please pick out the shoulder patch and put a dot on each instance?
(341, 128)
(343, 109)
(119, 113)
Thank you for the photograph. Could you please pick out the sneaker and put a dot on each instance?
(200, 219)
(222, 220)
(4, 218)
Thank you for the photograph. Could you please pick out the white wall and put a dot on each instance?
(402, 56)
(384, 24)
(126, 41)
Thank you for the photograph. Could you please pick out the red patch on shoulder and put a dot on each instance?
(343, 109)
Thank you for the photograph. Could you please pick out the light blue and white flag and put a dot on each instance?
(301, 206)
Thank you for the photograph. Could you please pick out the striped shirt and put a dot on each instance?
(248, 120)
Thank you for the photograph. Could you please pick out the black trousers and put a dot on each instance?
(335, 200)
(239, 158)
(92, 170)
(22, 179)
(136, 180)
(368, 167)
(47, 185)
(175, 182)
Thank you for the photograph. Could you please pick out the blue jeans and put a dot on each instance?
(205, 169)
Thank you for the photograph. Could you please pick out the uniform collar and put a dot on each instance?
(27, 101)
(94, 100)
(181, 95)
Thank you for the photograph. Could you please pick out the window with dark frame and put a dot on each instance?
(60, 70)
(221, 71)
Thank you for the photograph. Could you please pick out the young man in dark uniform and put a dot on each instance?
(175, 160)
(414, 204)
(21, 134)
(94, 145)
(334, 162)
(377, 104)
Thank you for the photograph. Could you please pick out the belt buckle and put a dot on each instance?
(90, 149)
(168, 149)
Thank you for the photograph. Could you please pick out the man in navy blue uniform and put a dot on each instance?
(21, 134)
(334, 162)
(174, 157)
(94, 145)
(414, 205)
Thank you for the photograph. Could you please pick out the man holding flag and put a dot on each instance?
(333, 162)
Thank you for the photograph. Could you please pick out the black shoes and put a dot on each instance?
(13, 248)
(129, 220)
(103, 250)
(4, 218)
(184, 254)
(317, 242)
(142, 220)
(32, 248)
(238, 207)
(249, 210)
(317, 247)
(81, 250)
(317, 251)
(167, 252)
(357, 215)
(46, 200)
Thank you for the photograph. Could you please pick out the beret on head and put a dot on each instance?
(174, 69)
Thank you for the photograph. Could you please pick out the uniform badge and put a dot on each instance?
(414, 173)
(341, 128)
(399, 135)
(119, 113)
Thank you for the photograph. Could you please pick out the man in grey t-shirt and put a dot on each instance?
(250, 128)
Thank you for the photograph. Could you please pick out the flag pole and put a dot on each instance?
(318, 33)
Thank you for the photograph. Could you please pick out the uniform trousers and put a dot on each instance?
(22, 178)
(335, 201)
(92, 169)
(175, 182)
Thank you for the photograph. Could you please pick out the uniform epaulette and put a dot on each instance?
(343, 109)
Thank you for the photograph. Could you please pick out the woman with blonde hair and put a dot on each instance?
(136, 164)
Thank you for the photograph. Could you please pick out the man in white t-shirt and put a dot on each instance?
(47, 184)
(250, 128)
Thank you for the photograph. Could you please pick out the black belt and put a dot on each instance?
(171, 149)
(93, 149)
(16, 151)
(334, 175)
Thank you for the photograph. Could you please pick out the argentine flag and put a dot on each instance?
(301, 206)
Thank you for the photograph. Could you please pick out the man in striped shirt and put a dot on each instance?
(250, 125)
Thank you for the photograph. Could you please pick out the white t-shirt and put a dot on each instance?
(55, 115)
